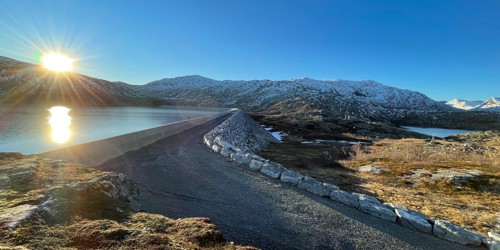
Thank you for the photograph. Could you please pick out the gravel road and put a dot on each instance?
(180, 177)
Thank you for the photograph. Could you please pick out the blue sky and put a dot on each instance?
(444, 49)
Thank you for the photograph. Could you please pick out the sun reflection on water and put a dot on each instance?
(60, 122)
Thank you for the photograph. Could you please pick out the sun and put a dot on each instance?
(57, 62)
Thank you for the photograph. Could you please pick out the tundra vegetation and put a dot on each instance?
(456, 178)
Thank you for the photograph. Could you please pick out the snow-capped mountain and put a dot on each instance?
(22, 82)
(464, 104)
(297, 99)
(491, 105)
(305, 96)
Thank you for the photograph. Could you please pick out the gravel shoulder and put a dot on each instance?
(180, 177)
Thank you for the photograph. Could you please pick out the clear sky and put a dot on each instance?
(444, 49)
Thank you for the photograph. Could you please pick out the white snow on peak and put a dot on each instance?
(464, 104)
(492, 104)
(368, 97)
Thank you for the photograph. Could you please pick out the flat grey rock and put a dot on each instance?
(413, 221)
(394, 206)
(372, 169)
(216, 148)
(344, 198)
(330, 187)
(416, 213)
(4, 181)
(314, 186)
(241, 158)
(257, 157)
(494, 236)
(272, 170)
(492, 244)
(365, 197)
(292, 177)
(256, 165)
(13, 216)
(449, 231)
(225, 144)
(226, 152)
(377, 210)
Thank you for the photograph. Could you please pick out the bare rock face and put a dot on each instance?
(55, 191)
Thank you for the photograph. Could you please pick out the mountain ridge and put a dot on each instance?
(267, 93)
(296, 99)
(492, 104)
(26, 83)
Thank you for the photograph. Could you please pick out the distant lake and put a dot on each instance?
(31, 129)
(438, 132)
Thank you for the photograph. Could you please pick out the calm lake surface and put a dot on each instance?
(439, 132)
(33, 129)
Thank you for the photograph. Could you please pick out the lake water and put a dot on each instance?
(438, 132)
(32, 129)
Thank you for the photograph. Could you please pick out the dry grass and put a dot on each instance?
(473, 204)
(417, 150)
(141, 231)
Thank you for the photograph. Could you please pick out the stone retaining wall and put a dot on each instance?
(240, 136)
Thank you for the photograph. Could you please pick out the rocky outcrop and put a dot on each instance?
(51, 204)
(55, 191)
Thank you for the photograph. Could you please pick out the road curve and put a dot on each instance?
(180, 177)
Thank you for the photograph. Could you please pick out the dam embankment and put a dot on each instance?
(97, 152)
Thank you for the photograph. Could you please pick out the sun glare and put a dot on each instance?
(57, 62)
(60, 122)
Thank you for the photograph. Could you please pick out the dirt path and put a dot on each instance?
(179, 177)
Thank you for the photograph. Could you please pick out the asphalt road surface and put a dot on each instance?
(180, 177)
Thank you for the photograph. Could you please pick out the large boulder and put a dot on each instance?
(413, 221)
(241, 158)
(330, 187)
(56, 191)
(377, 210)
(292, 177)
(314, 186)
(256, 165)
(344, 198)
(366, 198)
(226, 152)
(272, 169)
(449, 231)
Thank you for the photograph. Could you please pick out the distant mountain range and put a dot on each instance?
(303, 98)
(362, 99)
(490, 105)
